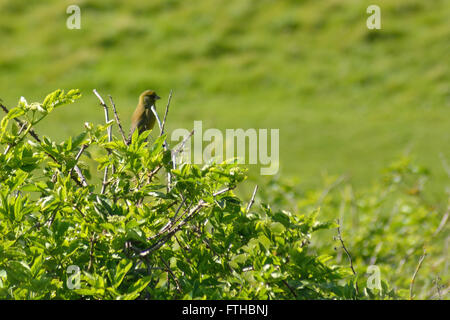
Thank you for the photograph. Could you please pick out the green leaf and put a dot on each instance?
(121, 270)
(15, 112)
(138, 286)
(38, 262)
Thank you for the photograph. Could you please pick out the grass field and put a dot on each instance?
(346, 99)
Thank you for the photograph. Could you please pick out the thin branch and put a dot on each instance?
(105, 180)
(442, 223)
(80, 174)
(181, 145)
(119, 124)
(157, 119)
(161, 131)
(102, 102)
(105, 108)
(179, 149)
(290, 289)
(155, 171)
(77, 157)
(252, 200)
(173, 230)
(167, 111)
(174, 160)
(178, 209)
(177, 283)
(411, 286)
(172, 220)
(345, 249)
(83, 147)
(348, 255)
(170, 224)
(223, 191)
(185, 250)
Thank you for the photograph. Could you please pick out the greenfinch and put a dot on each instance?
(143, 117)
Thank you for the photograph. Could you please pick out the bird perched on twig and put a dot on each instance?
(143, 117)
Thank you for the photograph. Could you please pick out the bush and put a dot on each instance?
(134, 235)
(149, 230)
(388, 228)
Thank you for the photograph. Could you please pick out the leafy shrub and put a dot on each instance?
(149, 230)
(136, 235)
(391, 226)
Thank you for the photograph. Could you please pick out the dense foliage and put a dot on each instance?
(152, 231)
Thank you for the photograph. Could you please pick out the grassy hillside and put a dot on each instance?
(346, 99)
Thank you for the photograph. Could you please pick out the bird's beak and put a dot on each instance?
(157, 97)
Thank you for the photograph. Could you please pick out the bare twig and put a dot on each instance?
(181, 145)
(185, 249)
(116, 116)
(223, 191)
(161, 132)
(105, 180)
(173, 230)
(83, 147)
(157, 118)
(178, 209)
(169, 271)
(411, 286)
(77, 157)
(179, 149)
(81, 176)
(442, 223)
(102, 102)
(252, 200)
(152, 174)
(290, 289)
(171, 222)
(165, 114)
(348, 255)
(105, 108)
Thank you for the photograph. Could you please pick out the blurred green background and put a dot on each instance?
(347, 100)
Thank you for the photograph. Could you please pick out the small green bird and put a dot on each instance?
(143, 117)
